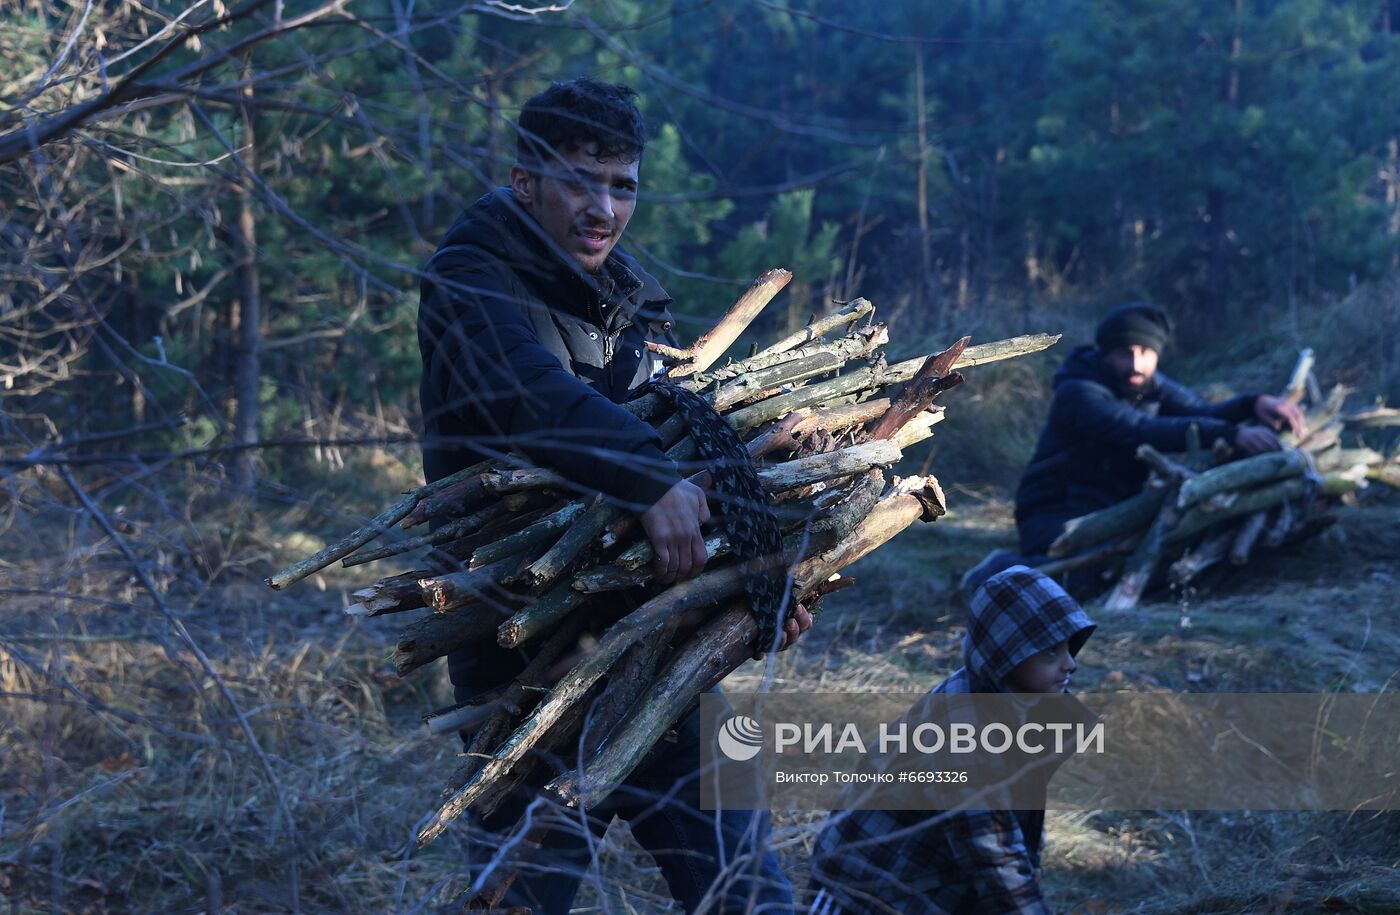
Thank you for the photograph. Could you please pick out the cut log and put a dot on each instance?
(846, 462)
(1107, 524)
(439, 634)
(540, 616)
(1195, 520)
(447, 592)
(393, 594)
(1242, 474)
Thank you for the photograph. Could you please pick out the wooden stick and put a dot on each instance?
(492, 482)
(982, 353)
(1298, 381)
(847, 461)
(625, 685)
(393, 594)
(532, 536)
(1284, 519)
(445, 534)
(859, 309)
(766, 382)
(931, 378)
(703, 353)
(521, 696)
(362, 535)
(715, 651)
(540, 616)
(543, 572)
(1378, 418)
(440, 634)
(1242, 474)
(1209, 552)
(1167, 469)
(447, 592)
(701, 591)
(1248, 534)
(1097, 556)
(1107, 524)
(1142, 564)
(892, 515)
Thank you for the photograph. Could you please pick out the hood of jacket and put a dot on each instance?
(497, 224)
(1015, 614)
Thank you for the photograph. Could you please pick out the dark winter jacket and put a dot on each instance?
(524, 351)
(962, 862)
(1085, 459)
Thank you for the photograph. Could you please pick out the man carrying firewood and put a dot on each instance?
(533, 328)
(1109, 399)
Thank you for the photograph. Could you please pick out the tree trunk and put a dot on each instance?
(248, 369)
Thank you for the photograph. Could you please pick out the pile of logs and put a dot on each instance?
(526, 561)
(1204, 509)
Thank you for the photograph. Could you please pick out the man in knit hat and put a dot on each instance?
(1109, 399)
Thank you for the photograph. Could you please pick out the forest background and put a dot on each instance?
(212, 219)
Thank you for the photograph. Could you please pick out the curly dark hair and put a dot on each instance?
(581, 114)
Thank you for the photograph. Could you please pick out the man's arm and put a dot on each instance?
(1273, 412)
(1091, 411)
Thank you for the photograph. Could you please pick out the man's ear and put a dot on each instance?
(523, 184)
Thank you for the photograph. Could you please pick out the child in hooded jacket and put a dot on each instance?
(1023, 635)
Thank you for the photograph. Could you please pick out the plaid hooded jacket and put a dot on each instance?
(919, 862)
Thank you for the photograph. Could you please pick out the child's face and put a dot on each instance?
(1045, 671)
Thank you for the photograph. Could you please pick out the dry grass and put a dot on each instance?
(129, 785)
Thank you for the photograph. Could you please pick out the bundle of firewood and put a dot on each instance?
(527, 561)
(1206, 508)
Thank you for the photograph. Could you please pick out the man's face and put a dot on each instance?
(1045, 671)
(1133, 366)
(583, 202)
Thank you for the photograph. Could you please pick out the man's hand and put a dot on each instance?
(1274, 412)
(1256, 440)
(672, 526)
(798, 623)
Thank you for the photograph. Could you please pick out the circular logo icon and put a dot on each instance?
(740, 738)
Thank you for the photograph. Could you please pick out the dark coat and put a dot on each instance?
(1086, 457)
(523, 351)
